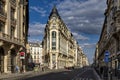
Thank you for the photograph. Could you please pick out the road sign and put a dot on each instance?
(106, 56)
(107, 53)
(22, 55)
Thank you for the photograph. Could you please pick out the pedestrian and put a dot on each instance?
(43, 68)
(21, 69)
(17, 68)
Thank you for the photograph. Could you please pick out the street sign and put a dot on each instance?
(106, 56)
(22, 55)
(107, 53)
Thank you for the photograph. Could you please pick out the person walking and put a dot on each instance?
(17, 68)
(21, 69)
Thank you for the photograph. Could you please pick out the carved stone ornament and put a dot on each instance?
(1, 43)
(12, 46)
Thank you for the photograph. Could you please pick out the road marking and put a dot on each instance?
(79, 74)
(83, 79)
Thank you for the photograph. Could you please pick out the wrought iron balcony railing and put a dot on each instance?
(3, 15)
(13, 21)
(8, 38)
(13, 2)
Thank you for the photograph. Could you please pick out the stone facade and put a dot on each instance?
(110, 36)
(59, 45)
(36, 52)
(13, 34)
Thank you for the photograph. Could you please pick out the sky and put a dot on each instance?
(84, 18)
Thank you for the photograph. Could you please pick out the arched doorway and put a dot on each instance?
(13, 60)
(1, 60)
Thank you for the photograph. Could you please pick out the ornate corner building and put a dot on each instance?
(13, 33)
(59, 45)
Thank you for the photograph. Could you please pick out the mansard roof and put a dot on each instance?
(54, 12)
(34, 44)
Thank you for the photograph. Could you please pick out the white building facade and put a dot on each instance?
(59, 45)
(36, 52)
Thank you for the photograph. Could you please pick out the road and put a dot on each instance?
(76, 74)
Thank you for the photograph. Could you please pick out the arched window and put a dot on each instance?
(53, 40)
(53, 34)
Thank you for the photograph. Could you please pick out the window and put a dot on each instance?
(12, 31)
(53, 34)
(34, 57)
(14, 1)
(53, 40)
(2, 26)
(12, 13)
(2, 6)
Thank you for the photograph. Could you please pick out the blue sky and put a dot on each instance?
(84, 18)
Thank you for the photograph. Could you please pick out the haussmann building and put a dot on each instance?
(13, 33)
(58, 43)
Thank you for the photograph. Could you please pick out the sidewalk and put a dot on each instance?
(6, 76)
(18, 76)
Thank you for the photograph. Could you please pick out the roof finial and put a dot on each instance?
(54, 8)
(54, 12)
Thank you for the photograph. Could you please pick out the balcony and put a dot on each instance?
(117, 26)
(10, 39)
(4, 0)
(71, 53)
(3, 15)
(13, 3)
(13, 22)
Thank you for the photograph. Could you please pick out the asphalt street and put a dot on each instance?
(76, 74)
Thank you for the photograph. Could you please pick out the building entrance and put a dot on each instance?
(1, 60)
(13, 60)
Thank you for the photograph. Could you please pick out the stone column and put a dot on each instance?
(5, 64)
(56, 61)
(50, 61)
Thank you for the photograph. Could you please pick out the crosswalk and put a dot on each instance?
(83, 79)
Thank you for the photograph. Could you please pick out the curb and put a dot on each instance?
(97, 76)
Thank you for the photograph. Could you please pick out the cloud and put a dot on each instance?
(83, 16)
(36, 29)
(88, 45)
(88, 49)
(39, 10)
(80, 37)
(34, 40)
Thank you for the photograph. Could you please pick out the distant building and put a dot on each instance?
(13, 34)
(79, 57)
(84, 60)
(36, 52)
